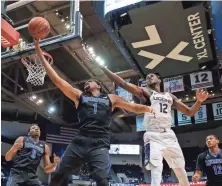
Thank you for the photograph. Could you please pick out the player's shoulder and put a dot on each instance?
(173, 96)
(147, 92)
(42, 143)
(146, 89)
(20, 138)
(221, 152)
(113, 97)
(203, 154)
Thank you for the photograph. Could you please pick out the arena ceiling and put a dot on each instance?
(70, 61)
(21, 101)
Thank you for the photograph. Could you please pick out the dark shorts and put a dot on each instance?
(213, 184)
(82, 150)
(22, 178)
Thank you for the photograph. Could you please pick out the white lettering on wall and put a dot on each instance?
(154, 40)
(197, 35)
(152, 34)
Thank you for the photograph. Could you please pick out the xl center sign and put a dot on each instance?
(164, 41)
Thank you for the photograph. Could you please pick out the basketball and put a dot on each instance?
(39, 27)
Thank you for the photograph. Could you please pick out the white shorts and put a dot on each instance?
(163, 145)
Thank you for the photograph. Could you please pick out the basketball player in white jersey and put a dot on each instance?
(159, 140)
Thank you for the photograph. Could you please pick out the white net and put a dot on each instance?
(36, 71)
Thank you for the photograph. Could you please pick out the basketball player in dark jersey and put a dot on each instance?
(92, 143)
(159, 140)
(210, 163)
(26, 154)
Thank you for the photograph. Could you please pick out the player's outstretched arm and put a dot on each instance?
(135, 90)
(65, 87)
(132, 107)
(48, 166)
(17, 146)
(190, 111)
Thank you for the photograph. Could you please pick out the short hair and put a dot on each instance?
(32, 126)
(156, 73)
(214, 136)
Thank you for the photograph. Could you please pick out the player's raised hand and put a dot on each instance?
(195, 178)
(201, 95)
(56, 158)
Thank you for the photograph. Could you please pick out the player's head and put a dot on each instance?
(34, 131)
(212, 141)
(153, 79)
(92, 85)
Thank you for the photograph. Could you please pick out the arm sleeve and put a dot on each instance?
(200, 162)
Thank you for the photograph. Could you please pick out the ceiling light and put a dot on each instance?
(186, 95)
(93, 55)
(33, 97)
(180, 99)
(124, 14)
(62, 20)
(51, 109)
(101, 62)
(203, 67)
(39, 101)
(98, 59)
(57, 13)
(211, 91)
(67, 26)
(213, 94)
(92, 52)
(67, 17)
(90, 49)
(187, 98)
(194, 97)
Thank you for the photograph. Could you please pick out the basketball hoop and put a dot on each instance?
(35, 68)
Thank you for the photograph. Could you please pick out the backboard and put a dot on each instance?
(64, 18)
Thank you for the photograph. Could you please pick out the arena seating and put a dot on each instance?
(133, 172)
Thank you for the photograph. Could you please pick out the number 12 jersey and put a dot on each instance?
(161, 103)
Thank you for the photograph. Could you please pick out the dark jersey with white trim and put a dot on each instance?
(29, 157)
(94, 115)
(211, 165)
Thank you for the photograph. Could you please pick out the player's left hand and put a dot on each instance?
(201, 95)
(56, 158)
